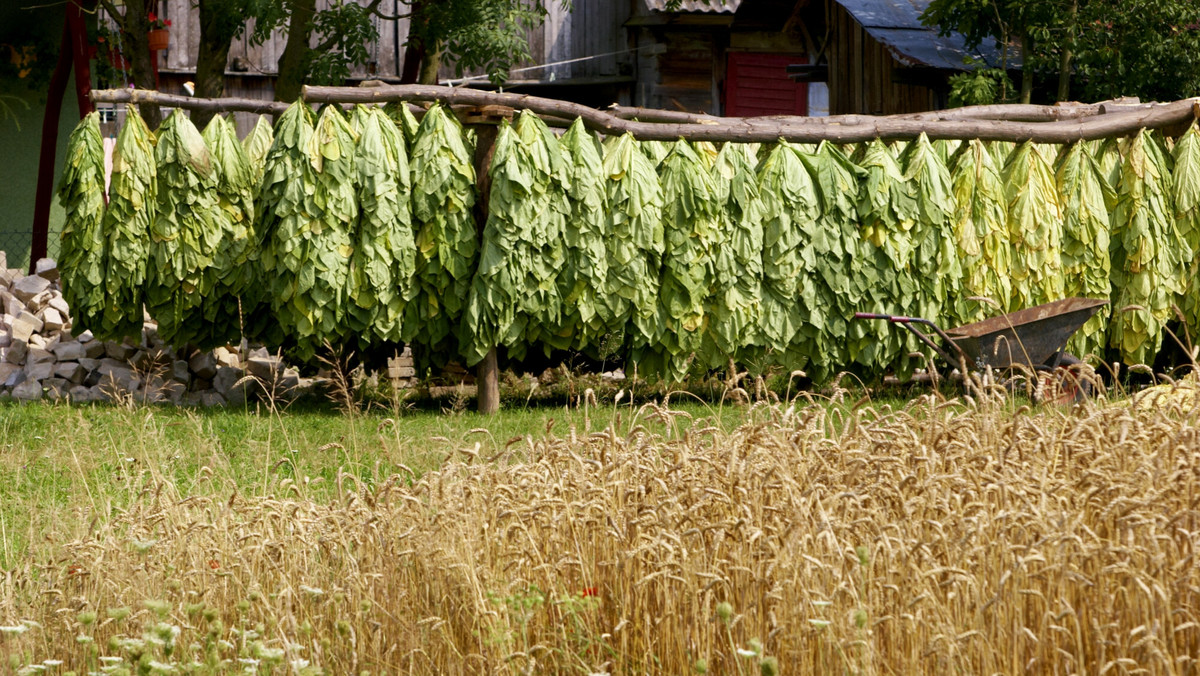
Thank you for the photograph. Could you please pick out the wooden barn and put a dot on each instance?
(725, 57)
(881, 60)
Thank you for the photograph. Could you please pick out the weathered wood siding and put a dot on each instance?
(588, 28)
(862, 72)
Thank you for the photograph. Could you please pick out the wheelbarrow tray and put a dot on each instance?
(1026, 338)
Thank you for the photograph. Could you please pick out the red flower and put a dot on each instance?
(589, 591)
(168, 22)
(214, 564)
(152, 17)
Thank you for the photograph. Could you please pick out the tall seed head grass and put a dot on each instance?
(939, 537)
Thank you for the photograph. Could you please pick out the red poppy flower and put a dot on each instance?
(589, 591)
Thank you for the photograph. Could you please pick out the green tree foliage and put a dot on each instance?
(1094, 49)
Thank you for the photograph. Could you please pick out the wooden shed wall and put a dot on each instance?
(587, 28)
(861, 72)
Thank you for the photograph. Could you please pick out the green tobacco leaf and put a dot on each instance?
(692, 236)
(257, 144)
(1085, 196)
(887, 217)
(384, 261)
(981, 230)
(185, 235)
(790, 303)
(401, 114)
(82, 256)
(1186, 193)
(843, 280)
(1035, 228)
(634, 244)
(734, 305)
(443, 196)
(936, 265)
(133, 196)
(1150, 258)
(515, 299)
(239, 292)
(309, 208)
(586, 270)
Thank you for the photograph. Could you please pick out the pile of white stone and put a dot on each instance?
(40, 358)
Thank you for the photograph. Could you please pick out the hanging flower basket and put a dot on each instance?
(159, 39)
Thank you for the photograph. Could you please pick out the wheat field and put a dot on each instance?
(940, 537)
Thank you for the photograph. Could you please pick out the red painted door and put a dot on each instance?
(758, 84)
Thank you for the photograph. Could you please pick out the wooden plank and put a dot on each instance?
(557, 42)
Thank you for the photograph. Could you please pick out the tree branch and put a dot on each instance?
(373, 8)
(111, 9)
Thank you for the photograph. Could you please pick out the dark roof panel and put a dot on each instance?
(897, 24)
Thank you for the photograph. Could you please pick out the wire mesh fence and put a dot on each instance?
(16, 245)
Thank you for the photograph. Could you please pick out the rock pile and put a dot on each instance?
(40, 358)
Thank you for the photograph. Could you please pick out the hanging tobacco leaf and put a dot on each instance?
(443, 195)
(981, 230)
(1086, 265)
(82, 250)
(691, 236)
(515, 298)
(257, 144)
(384, 260)
(734, 306)
(1035, 227)
(586, 271)
(133, 196)
(308, 211)
(634, 245)
(1149, 256)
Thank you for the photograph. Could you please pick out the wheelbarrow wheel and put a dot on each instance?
(1071, 382)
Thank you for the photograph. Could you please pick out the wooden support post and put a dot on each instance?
(485, 122)
(44, 193)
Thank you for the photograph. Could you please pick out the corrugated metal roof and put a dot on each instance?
(897, 24)
(697, 6)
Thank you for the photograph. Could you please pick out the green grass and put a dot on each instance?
(64, 465)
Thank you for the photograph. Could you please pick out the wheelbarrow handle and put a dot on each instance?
(895, 319)
(953, 349)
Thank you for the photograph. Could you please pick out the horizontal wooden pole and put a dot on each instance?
(1005, 111)
(223, 105)
(1109, 119)
(838, 129)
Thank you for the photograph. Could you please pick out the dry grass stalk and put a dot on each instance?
(933, 539)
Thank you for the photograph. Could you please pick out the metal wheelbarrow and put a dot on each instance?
(1030, 340)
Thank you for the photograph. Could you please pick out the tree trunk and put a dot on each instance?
(412, 63)
(1064, 62)
(294, 61)
(135, 24)
(1026, 71)
(216, 35)
(430, 65)
(414, 50)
